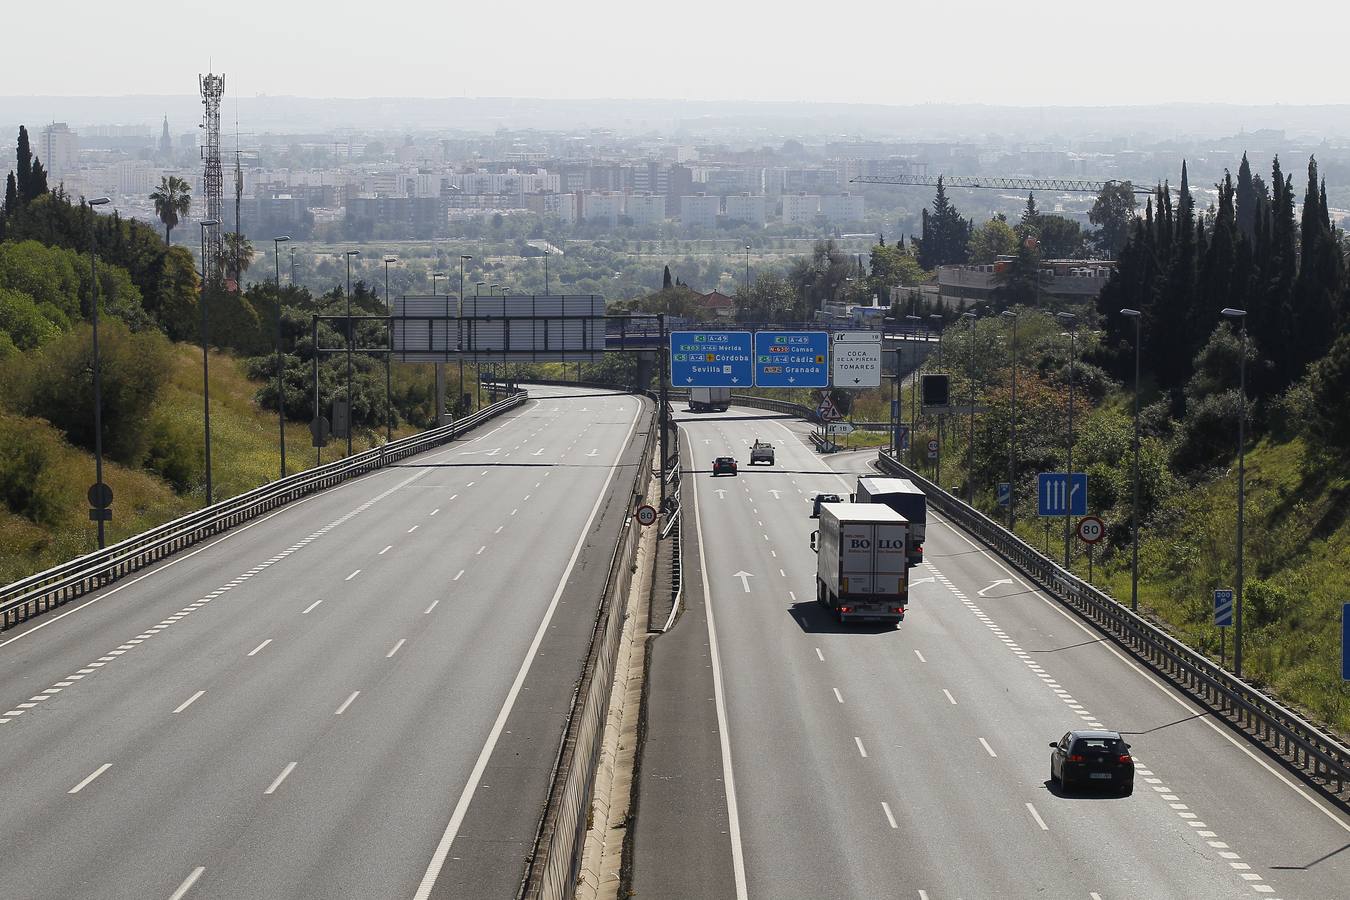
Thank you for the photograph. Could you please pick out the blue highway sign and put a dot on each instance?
(792, 359)
(1223, 607)
(710, 359)
(1004, 493)
(1050, 490)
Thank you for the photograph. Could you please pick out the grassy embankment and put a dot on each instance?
(54, 525)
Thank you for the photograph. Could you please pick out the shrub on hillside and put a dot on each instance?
(1329, 411)
(57, 385)
(22, 322)
(26, 482)
(1207, 435)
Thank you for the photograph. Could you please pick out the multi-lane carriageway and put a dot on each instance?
(359, 696)
(787, 757)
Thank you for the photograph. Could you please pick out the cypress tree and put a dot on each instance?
(1030, 213)
(1179, 343)
(24, 157)
(1245, 209)
(1318, 281)
(37, 180)
(11, 195)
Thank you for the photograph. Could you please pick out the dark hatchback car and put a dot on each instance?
(724, 465)
(1086, 758)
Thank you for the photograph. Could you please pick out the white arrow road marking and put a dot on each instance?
(745, 579)
(721, 494)
(983, 591)
(707, 440)
(539, 452)
(593, 452)
(775, 493)
(929, 580)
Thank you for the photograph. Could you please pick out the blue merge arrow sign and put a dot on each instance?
(792, 359)
(1223, 607)
(710, 359)
(1050, 490)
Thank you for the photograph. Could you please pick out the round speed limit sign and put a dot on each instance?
(646, 515)
(1091, 529)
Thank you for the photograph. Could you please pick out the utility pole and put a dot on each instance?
(389, 357)
(98, 367)
(1069, 319)
(1012, 427)
(281, 365)
(970, 373)
(350, 407)
(206, 371)
(1134, 475)
(1241, 315)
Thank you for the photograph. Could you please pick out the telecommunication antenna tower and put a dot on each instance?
(213, 89)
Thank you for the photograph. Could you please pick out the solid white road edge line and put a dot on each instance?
(233, 532)
(728, 778)
(187, 883)
(442, 850)
(1218, 729)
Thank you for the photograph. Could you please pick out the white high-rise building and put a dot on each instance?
(750, 208)
(800, 209)
(646, 209)
(133, 178)
(700, 210)
(602, 207)
(58, 149)
(842, 209)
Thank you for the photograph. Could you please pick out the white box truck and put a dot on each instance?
(704, 399)
(906, 498)
(860, 561)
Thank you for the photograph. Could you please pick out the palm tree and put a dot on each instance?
(173, 198)
(236, 255)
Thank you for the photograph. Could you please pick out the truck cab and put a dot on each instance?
(906, 498)
(860, 562)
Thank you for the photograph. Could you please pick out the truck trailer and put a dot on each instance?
(903, 496)
(860, 561)
(706, 399)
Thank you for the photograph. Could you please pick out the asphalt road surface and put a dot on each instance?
(358, 696)
(912, 761)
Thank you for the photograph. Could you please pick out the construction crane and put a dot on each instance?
(998, 184)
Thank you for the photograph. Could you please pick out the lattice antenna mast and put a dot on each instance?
(213, 180)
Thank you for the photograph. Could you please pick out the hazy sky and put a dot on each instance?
(875, 51)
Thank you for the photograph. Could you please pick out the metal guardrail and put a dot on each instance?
(556, 863)
(1302, 745)
(60, 584)
(782, 406)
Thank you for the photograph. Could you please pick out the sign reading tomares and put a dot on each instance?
(857, 359)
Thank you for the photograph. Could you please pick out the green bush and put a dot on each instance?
(21, 320)
(25, 466)
(58, 386)
(1207, 435)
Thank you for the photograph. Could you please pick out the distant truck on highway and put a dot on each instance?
(709, 399)
(903, 496)
(860, 561)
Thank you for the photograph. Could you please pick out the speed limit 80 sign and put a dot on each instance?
(1091, 529)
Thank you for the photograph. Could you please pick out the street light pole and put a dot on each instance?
(1069, 318)
(1012, 427)
(281, 369)
(1240, 314)
(747, 271)
(970, 445)
(938, 321)
(913, 387)
(459, 323)
(547, 253)
(98, 373)
(292, 265)
(1134, 476)
(206, 381)
(389, 357)
(349, 254)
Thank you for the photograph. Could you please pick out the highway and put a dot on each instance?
(360, 695)
(787, 757)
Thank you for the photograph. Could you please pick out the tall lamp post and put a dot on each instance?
(98, 374)
(1012, 426)
(1134, 475)
(434, 276)
(1069, 319)
(292, 265)
(747, 270)
(1240, 315)
(388, 357)
(970, 446)
(459, 321)
(547, 253)
(939, 324)
(281, 369)
(349, 254)
(913, 388)
(206, 383)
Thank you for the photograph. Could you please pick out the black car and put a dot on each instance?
(823, 498)
(1086, 758)
(724, 465)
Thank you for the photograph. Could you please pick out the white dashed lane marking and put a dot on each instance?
(85, 783)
